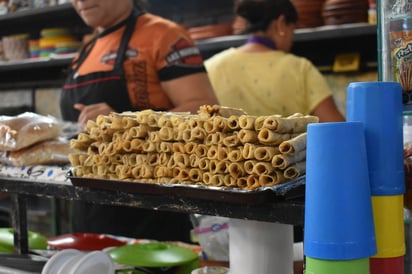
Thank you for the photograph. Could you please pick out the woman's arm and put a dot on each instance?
(90, 112)
(189, 92)
(327, 111)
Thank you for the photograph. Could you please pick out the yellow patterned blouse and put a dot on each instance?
(266, 83)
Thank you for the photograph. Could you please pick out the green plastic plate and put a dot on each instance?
(152, 255)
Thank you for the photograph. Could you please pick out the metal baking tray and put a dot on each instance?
(286, 191)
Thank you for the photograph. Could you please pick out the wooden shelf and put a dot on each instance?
(320, 44)
(301, 35)
(47, 13)
(31, 21)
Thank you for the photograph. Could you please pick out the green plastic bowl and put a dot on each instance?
(36, 241)
(156, 255)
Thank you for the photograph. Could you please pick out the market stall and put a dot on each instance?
(277, 202)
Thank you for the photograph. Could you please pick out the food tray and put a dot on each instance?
(285, 191)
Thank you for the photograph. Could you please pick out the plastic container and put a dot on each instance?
(338, 209)
(260, 247)
(316, 266)
(407, 127)
(393, 265)
(378, 105)
(389, 226)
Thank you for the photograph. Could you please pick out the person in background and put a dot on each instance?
(261, 76)
(135, 61)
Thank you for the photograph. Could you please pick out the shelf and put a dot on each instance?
(320, 45)
(283, 211)
(51, 72)
(56, 13)
(46, 13)
(335, 32)
(301, 35)
(286, 212)
(48, 73)
(34, 64)
(31, 21)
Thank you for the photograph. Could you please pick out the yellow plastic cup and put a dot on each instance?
(389, 226)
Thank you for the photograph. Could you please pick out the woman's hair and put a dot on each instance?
(260, 13)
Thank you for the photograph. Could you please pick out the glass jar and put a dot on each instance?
(407, 127)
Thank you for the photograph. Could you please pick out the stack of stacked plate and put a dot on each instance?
(66, 48)
(52, 38)
(34, 48)
(336, 12)
(309, 13)
(73, 261)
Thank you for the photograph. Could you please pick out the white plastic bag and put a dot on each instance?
(213, 236)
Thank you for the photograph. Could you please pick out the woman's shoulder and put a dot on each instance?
(235, 56)
(232, 55)
(222, 56)
(296, 58)
(298, 63)
(152, 22)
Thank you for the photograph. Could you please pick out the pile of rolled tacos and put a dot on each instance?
(218, 146)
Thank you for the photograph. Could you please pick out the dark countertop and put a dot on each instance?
(259, 207)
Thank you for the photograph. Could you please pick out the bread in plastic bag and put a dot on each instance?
(54, 151)
(26, 129)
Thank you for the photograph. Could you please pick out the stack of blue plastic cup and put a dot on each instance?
(378, 106)
(339, 234)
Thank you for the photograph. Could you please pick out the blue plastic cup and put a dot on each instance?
(338, 206)
(378, 105)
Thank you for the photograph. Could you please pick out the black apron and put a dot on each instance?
(111, 87)
(107, 86)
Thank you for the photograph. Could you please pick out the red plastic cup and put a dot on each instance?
(393, 265)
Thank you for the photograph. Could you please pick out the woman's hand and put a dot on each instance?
(90, 112)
